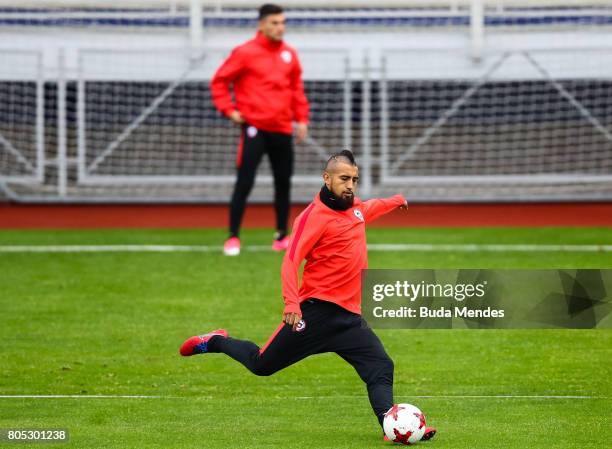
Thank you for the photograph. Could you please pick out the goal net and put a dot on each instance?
(530, 124)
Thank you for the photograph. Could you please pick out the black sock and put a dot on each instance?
(381, 418)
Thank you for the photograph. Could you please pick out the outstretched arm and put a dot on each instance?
(374, 208)
(306, 232)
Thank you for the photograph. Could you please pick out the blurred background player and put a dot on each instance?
(266, 78)
(323, 314)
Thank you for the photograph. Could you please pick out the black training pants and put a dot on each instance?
(328, 328)
(253, 144)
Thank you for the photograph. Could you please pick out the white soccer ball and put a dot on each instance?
(404, 424)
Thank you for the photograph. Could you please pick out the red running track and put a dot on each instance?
(262, 216)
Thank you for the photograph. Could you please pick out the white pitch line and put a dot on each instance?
(107, 248)
(459, 396)
(400, 247)
(506, 396)
(80, 396)
(487, 247)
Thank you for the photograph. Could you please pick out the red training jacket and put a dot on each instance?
(334, 246)
(267, 83)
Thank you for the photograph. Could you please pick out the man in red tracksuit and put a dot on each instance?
(323, 314)
(266, 77)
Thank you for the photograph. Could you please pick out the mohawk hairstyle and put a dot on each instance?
(345, 156)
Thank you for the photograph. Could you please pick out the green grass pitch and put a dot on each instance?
(111, 324)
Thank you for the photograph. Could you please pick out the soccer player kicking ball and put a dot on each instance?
(324, 313)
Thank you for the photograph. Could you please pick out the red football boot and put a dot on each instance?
(199, 343)
(280, 245)
(429, 433)
(232, 246)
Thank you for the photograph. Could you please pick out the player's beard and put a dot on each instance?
(334, 201)
(345, 201)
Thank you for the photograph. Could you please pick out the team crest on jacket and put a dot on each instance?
(358, 214)
(301, 326)
(251, 131)
(286, 56)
